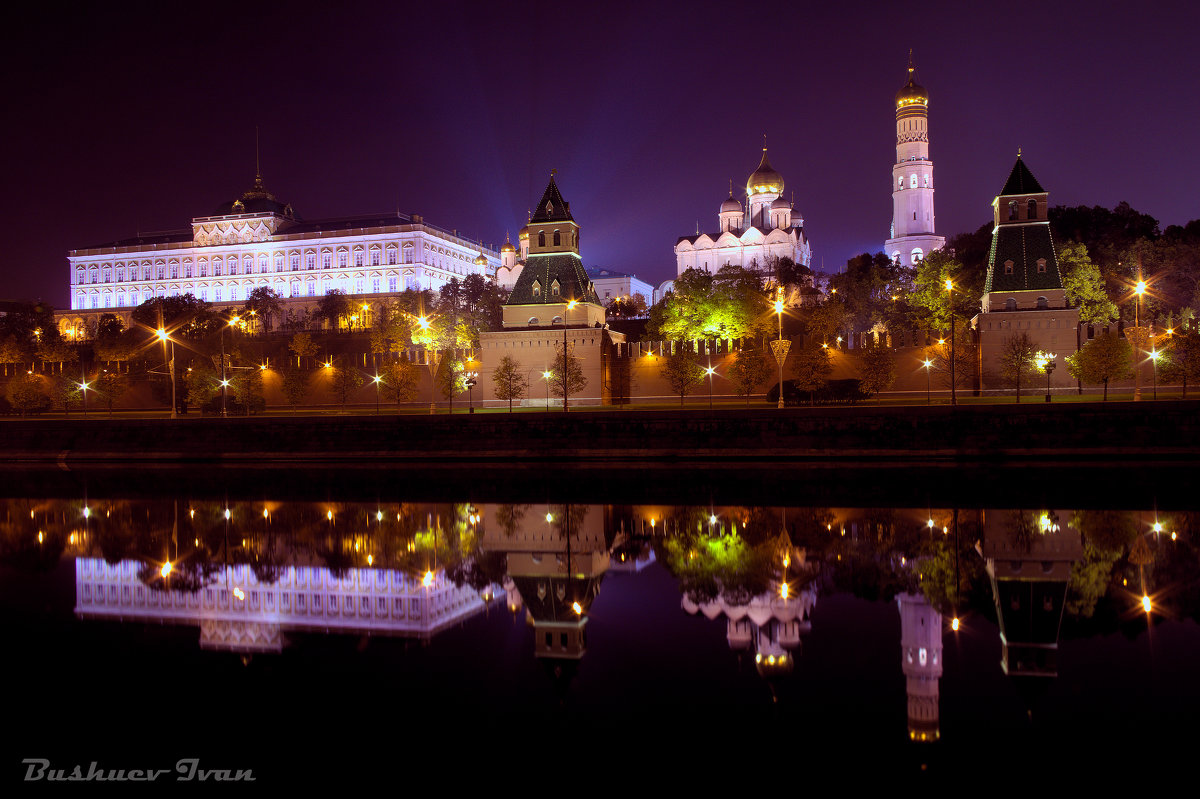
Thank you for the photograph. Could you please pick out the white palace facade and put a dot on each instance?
(259, 241)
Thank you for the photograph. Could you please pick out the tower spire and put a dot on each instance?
(258, 181)
(911, 68)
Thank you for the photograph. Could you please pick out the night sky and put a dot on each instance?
(122, 121)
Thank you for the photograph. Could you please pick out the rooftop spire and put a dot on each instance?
(258, 181)
(911, 68)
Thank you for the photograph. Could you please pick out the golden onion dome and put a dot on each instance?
(481, 259)
(764, 180)
(508, 247)
(523, 233)
(912, 93)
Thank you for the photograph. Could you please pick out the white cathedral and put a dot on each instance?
(912, 235)
(751, 235)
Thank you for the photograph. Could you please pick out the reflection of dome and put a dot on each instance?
(912, 93)
(731, 205)
(764, 180)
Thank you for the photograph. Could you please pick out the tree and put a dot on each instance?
(26, 395)
(866, 288)
(13, 350)
(400, 381)
(451, 378)
(295, 386)
(65, 392)
(877, 370)
(931, 303)
(963, 354)
(247, 387)
(264, 304)
(1017, 360)
(787, 272)
(344, 380)
(111, 386)
(627, 307)
(810, 365)
(826, 321)
(302, 346)
(568, 376)
(53, 349)
(203, 382)
(510, 380)
(333, 307)
(1183, 359)
(1106, 357)
(749, 370)
(682, 373)
(1085, 285)
(390, 330)
(114, 344)
(185, 316)
(728, 305)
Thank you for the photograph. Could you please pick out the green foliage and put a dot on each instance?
(728, 305)
(110, 387)
(787, 272)
(14, 350)
(115, 344)
(246, 384)
(1085, 285)
(866, 289)
(510, 380)
(65, 392)
(400, 381)
(1017, 361)
(390, 329)
(264, 305)
(750, 369)
(1104, 358)
(451, 377)
(827, 321)
(1182, 359)
(682, 373)
(932, 303)
(203, 382)
(876, 369)
(54, 350)
(627, 307)
(184, 316)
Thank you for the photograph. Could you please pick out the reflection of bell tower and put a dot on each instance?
(921, 660)
(1029, 559)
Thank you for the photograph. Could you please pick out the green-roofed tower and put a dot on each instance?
(1023, 292)
(553, 288)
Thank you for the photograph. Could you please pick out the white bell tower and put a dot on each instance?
(912, 236)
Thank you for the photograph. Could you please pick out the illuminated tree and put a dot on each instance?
(682, 373)
(302, 346)
(295, 386)
(1085, 285)
(13, 351)
(1017, 360)
(110, 387)
(1183, 359)
(877, 370)
(247, 387)
(333, 308)
(568, 376)
(263, 304)
(810, 365)
(26, 395)
(728, 305)
(1106, 357)
(400, 381)
(749, 370)
(510, 380)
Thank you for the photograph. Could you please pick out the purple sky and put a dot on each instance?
(120, 121)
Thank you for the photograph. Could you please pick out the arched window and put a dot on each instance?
(1042, 304)
(913, 181)
(557, 239)
(533, 320)
(916, 255)
(541, 238)
(554, 289)
(1032, 212)
(1010, 304)
(900, 182)
(927, 181)
(1012, 210)
(1041, 265)
(537, 290)
(1008, 267)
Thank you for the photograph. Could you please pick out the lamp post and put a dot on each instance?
(780, 352)
(565, 363)
(1153, 361)
(471, 385)
(546, 376)
(1138, 290)
(431, 362)
(224, 379)
(928, 396)
(164, 338)
(950, 304)
(83, 387)
(709, 371)
(376, 380)
(1049, 369)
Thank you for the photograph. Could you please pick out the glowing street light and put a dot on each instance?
(950, 304)
(780, 353)
(164, 338)
(166, 569)
(1146, 603)
(427, 580)
(546, 376)
(954, 624)
(376, 379)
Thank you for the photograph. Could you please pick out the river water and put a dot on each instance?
(329, 624)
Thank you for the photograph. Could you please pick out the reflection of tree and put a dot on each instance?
(509, 518)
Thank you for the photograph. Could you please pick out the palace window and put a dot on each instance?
(374, 257)
(204, 294)
(1010, 304)
(391, 257)
(541, 239)
(408, 253)
(554, 289)
(342, 259)
(187, 270)
(278, 263)
(120, 300)
(358, 258)
(294, 262)
(326, 260)
(233, 293)
(216, 269)
(557, 239)
(79, 276)
(358, 286)
(392, 284)
(1012, 210)
(913, 181)
(312, 288)
(375, 285)
(217, 294)
(310, 261)
(162, 272)
(537, 287)
(262, 264)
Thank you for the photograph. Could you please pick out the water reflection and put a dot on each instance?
(249, 574)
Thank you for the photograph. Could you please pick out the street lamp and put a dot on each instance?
(928, 396)
(470, 376)
(224, 379)
(83, 387)
(709, 371)
(1046, 364)
(1138, 290)
(780, 352)
(1154, 356)
(546, 376)
(164, 338)
(565, 363)
(950, 304)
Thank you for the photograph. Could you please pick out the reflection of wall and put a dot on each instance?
(767, 623)
(921, 661)
(1029, 555)
(364, 601)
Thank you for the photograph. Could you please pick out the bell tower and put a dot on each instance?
(912, 236)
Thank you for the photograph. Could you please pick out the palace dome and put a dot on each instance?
(911, 93)
(731, 206)
(764, 180)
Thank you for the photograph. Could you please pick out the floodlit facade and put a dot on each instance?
(258, 240)
(749, 235)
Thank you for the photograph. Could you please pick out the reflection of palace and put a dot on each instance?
(1029, 559)
(240, 613)
(921, 660)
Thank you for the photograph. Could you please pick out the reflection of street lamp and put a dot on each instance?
(928, 396)
(376, 380)
(950, 304)
(83, 387)
(164, 338)
(224, 379)
(709, 371)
